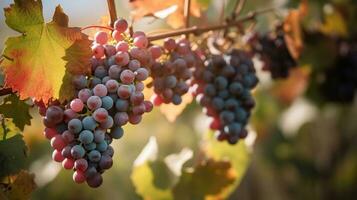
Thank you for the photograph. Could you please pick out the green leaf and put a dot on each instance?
(12, 155)
(148, 182)
(44, 53)
(208, 179)
(237, 155)
(8, 129)
(17, 110)
(21, 188)
(150, 177)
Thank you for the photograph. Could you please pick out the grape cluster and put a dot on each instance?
(172, 75)
(223, 88)
(340, 79)
(111, 96)
(271, 48)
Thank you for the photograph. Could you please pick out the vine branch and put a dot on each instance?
(199, 30)
(238, 7)
(5, 91)
(112, 12)
(187, 13)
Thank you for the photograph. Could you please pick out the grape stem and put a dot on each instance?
(199, 30)
(187, 13)
(112, 12)
(96, 26)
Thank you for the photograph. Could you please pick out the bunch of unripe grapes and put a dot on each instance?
(223, 88)
(110, 97)
(272, 49)
(171, 75)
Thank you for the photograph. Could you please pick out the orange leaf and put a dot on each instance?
(164, 9)
(288, 90)
(292, 28)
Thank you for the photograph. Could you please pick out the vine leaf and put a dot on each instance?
(12, 155)
(172, 10)
(292, 28)
(16, 109)
(207, 179)
(44, 53)
(21, 188)
(238, 156)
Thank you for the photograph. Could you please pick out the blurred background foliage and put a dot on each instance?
(299, 145)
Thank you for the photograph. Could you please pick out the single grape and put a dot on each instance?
(121, 118)
(77, 152)
(134, 65)
(141, 42)
(100, 90)
(75, 125)
(68, 163)
(102, 146)
(79, 177)
(141, 74)
(81, 164)
(66, 152)
(148, 106)
(124, 91)
(108, 152)
(107, 102)
(109, 50)
(108, 123)
(122, 58)
(106, 162)
(68, 136)
(100, 72)
(84, 94)
(101, 37)
(117, 36)
(169, 44)
(122, 46)
(122, 105)
(99, 135)
(127, 76)
(114, 72)
(54, 114)
(139, 86)
(139, 33)
(155, 51)
(120, 25)
(100, 115)
(117, 132)
(94, 156)
(50, 133)
(57, 156)
(86, 137)
(98, 51)
(95, 180)
(135, 119)
(77, 105)
(94, 102)
(89, 123)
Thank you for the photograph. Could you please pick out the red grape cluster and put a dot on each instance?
(272, 49)
(171, 76)
(223, 88)
(81, 131)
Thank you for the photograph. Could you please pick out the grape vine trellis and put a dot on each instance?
(106, 97)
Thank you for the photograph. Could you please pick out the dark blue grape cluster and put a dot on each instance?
(172, 75)
(223, 88)
(340, 79)
(272, 49)
(82, 130)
